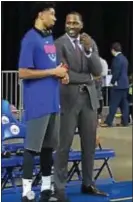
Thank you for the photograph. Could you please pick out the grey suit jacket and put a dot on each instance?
(92, 65)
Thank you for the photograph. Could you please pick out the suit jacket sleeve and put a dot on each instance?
(94, 62)
(116, 66)
(95, 47)
(74, 77)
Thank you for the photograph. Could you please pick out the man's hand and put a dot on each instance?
(60, 71)
(65, 80)
(86, 41)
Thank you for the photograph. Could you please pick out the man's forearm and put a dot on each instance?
(113, 80)
(115, 76)
(79, 78)
(34, 74)
(94, 65)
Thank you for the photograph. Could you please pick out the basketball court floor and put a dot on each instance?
(121, 191)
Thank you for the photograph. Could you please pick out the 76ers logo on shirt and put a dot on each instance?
(50, 50)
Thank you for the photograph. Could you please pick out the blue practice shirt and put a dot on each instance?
(41, 96)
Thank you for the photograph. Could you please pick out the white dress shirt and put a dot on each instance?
(104, 67)
(79, 44)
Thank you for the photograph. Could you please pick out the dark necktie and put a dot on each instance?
(78, 52)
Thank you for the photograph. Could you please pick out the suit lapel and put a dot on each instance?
(83, 61)
(68, 44)
(69, 47)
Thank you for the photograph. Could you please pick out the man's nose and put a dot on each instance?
(71, 26)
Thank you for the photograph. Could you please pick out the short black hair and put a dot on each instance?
(76, 13)
(41, 6)
(117, 47)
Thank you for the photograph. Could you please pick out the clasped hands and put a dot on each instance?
(65, 79)
(61, 71)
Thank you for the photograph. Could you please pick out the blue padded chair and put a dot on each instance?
(4, 119)
(101, 154)
(6, 111)
(12, 165)
(12, 133)
(5, 107)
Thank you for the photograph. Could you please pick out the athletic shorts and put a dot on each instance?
(43, 133)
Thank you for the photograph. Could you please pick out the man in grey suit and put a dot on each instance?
(78, 103)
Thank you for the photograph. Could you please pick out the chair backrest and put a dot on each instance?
(13, 136)
(6, 111)
(13, 131)
(4, 119)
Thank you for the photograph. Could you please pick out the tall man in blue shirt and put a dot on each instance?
(40, 73)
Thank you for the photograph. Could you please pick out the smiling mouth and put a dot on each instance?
(71, 30)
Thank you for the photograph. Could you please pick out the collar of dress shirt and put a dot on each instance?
(78, 38)
(72, 39)
(117, 53)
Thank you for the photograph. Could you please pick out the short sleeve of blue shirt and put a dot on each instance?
(27, 53)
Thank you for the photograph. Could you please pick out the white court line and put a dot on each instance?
(121, 199)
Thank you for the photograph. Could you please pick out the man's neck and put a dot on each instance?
(38, 25)
(72, 38)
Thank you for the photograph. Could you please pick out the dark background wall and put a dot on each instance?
(106, 22)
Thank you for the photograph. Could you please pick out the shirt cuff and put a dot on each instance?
(88, 55)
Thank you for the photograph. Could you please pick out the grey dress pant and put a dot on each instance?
(83, 116)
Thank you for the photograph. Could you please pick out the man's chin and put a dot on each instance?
(51, 25)
(73, 35)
